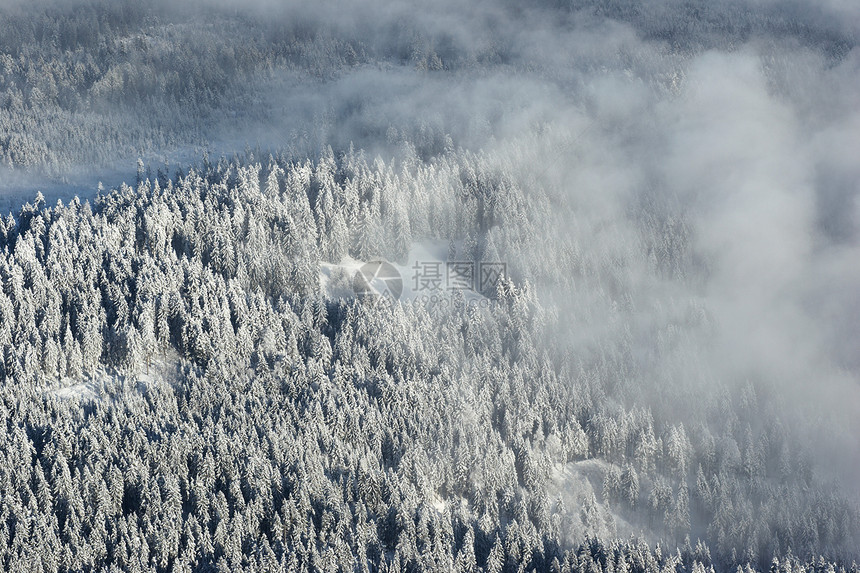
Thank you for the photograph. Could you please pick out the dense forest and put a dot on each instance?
(664, 379)
(285, 427)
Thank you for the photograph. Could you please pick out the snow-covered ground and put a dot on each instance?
(94, 385)
(83, 391)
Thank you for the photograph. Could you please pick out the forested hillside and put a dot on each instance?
(285, 427)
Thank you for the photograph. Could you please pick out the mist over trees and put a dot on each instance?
(665, 379)
(296, 429)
